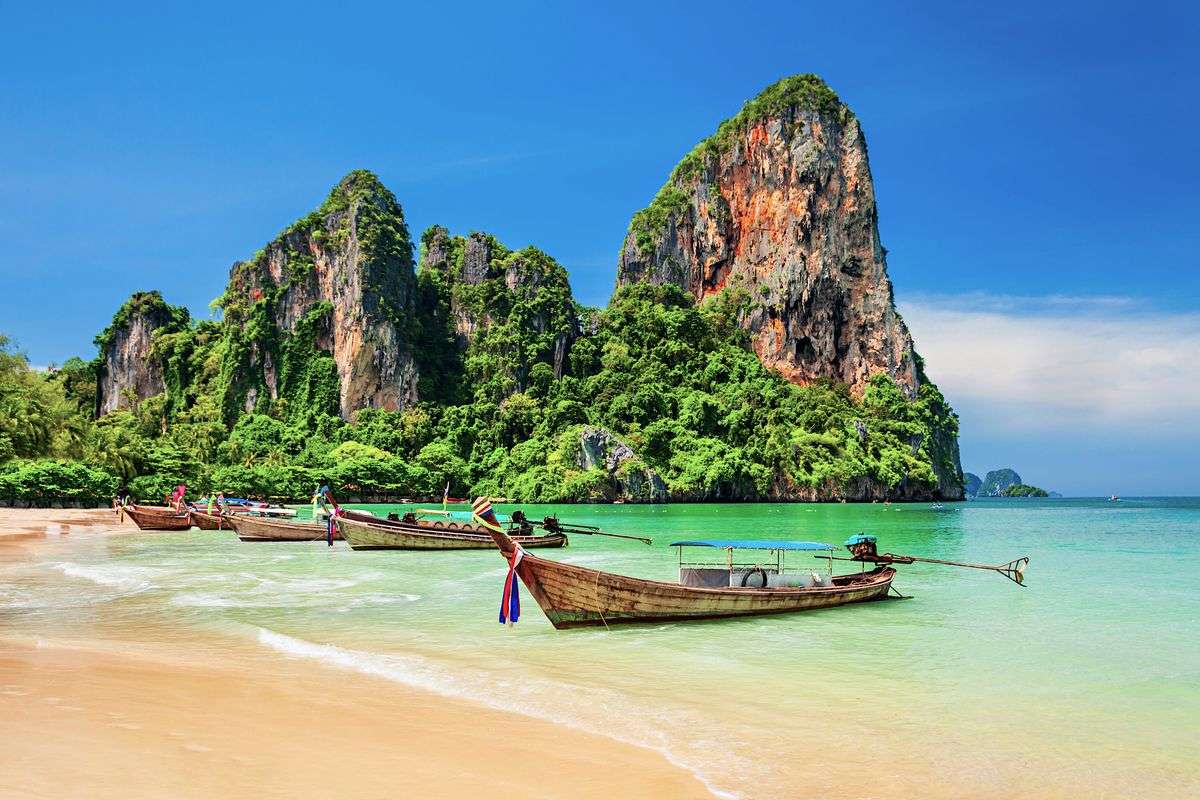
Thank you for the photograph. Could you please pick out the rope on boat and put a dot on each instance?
(596, 597)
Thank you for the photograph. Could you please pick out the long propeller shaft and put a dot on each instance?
(586, 530)
(1014, 570)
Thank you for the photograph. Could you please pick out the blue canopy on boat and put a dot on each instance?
(859, 538)
(753, 544)
(459, 516)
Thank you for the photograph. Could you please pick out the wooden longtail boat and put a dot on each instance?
(158, 518)
(211, 522)
(516, 525)
(438, 524)
(573, 596)
(260, 529)
(382, 534)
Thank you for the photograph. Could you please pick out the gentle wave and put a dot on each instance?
(115, 576)
(596, 711)
(263, 599)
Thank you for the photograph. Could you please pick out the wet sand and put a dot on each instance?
(152, 717)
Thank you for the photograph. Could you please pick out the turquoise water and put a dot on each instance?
(1088, 678)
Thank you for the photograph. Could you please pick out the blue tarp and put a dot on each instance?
(753, 544)
(859, 538)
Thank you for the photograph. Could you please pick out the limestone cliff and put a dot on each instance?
(321, 316)
(997, 481)
(507, 311)
(128, 369)
(779, 206)
(780, 202)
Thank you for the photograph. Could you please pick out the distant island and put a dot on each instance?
(1001, 483)
(1023, 490)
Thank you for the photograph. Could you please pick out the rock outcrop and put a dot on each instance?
(630, 478)
(996, 481)
(780, 203)
(337, 283)
(514, 304)
(128, 369)
(779, 207)
(971, 484)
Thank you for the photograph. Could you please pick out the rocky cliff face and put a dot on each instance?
(996, 481)
(129, 370)
(338, 284)
(778, 206)
(629, 477)
(780, 203)
(509, 310)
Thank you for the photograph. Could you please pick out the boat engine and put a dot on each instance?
(862, 546)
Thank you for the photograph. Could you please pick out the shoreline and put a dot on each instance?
(203, 715)
(358, 501)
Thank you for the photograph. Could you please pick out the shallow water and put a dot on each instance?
(1087, 678)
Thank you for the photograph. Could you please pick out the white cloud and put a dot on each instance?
(1061, 362)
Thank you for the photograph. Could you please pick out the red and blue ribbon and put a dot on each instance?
(510, 603)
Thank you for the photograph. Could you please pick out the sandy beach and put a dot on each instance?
(155, 716)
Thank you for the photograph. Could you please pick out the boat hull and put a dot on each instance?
(210, 522)
(259, 529)
(572, 596)
(391, 535)
(436, 526)
(152, 518)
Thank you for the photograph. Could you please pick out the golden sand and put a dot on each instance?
(182, 719)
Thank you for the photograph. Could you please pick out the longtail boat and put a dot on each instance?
(158, 518)
(237, 505)
(373, 533)
(260, 529)
(573, 596)
(211, 522)
(516, 525)
(441, 522)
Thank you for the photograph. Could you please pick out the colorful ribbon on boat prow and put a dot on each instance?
(510, 602)
(481, 509)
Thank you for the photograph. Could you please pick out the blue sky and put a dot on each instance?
(1020, 152)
